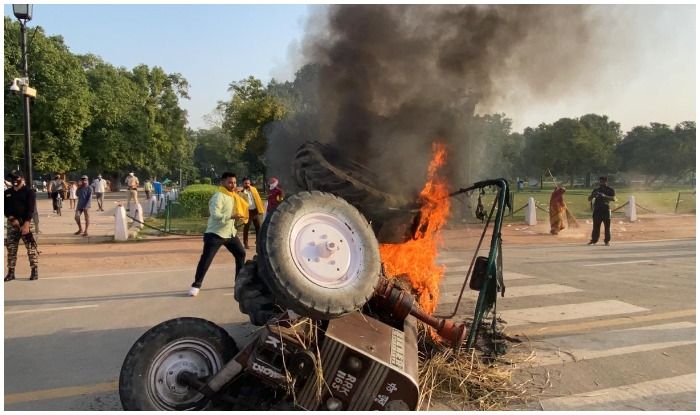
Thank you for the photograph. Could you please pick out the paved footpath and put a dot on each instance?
(56, 229)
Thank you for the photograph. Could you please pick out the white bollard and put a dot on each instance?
(631, 210)
(120, 230)
(138, 216)
(531, 212)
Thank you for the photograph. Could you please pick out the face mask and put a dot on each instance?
(273, 185)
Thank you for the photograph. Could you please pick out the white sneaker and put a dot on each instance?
(193, 292)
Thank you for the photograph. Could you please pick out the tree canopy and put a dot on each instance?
(658, 150)
(92, 116)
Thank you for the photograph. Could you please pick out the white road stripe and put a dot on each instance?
(507, 276)
(567, 312)
(37, 310)
(602, 264)
(645, 396)
(462, 268)
(523, 291)
(448, 260)
(613, 343)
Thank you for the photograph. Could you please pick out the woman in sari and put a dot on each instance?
(557, 210)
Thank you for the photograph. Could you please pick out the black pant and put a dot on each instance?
(254, 218)
(212, 243)
(599, 218)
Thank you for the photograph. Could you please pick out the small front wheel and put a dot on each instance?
(149, 376)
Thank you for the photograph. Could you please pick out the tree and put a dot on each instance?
(658, 150)
(138, 124)
(118, 124)
(59, 113)
(250, 109)
(208, 152)
(572, 146)
(495, 149)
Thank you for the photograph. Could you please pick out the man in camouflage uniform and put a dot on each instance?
(20, 205)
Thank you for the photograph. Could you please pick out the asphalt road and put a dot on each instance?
(611, 327)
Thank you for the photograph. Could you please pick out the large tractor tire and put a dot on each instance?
(318, 256)
(253, 297)
(148, 380)
(320, 167)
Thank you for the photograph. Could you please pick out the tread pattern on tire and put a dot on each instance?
(346, 178)
(253, 297)
(319, 167)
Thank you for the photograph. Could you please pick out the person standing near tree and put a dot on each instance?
(603, 195)
(20, 205)
(72, 187)
(275, 195)
(557, 210)
(148, 188)
(132, 184)
(84, 199)
(56, 188)
(255, 209)
(224, 208)
(99, 186)
(160, 198)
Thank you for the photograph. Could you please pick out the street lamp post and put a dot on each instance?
(23, 13)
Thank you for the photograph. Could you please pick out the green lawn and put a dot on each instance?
(186, 226)
(189, 226)
(659, 201)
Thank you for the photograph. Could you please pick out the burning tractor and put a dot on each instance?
(339, 325)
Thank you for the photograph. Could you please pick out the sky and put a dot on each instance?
(210, 45)
(214, 45)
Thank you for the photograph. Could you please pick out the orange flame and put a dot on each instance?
(416, 258)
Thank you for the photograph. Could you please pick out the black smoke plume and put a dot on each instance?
(383, 82)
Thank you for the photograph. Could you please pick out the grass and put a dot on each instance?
(188, 226)
(185, 226)
(659, 201)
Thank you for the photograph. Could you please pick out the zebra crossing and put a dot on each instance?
(587, 343)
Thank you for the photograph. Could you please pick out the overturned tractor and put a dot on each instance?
(337, 332)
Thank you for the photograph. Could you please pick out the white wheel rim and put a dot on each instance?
(325, 250)
(192, 355)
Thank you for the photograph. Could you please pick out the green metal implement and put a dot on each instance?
(493, 281)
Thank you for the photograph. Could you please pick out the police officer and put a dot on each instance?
(20, 205)
(603, 195)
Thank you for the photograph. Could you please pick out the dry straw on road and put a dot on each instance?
(468, 380)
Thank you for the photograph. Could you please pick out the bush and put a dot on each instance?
(194, 200)
(206, 180)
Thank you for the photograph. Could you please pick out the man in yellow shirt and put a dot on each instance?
(221, 230)
(255, 209)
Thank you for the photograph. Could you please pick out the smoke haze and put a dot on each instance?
(393, 79)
